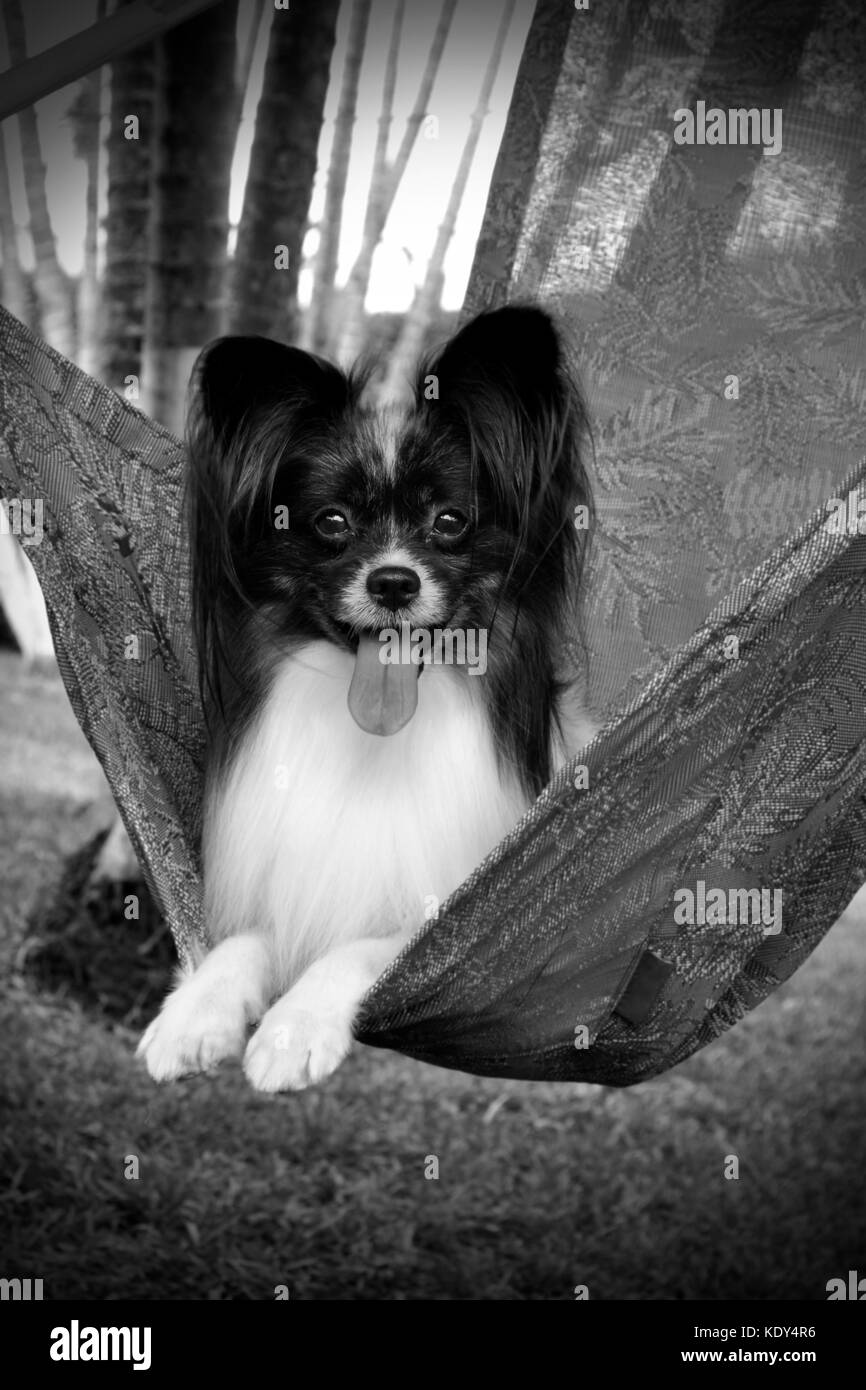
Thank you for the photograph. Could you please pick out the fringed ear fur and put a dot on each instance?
(249, 400)
(506, 384)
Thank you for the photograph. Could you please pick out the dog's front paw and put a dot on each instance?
(192, 1033)
(293, 1048)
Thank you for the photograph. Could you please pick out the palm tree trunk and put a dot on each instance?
(418, 319)
(282, 171)
(197, 124)
(129, 214)
(321, 320)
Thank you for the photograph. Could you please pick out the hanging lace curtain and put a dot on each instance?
(716, 294)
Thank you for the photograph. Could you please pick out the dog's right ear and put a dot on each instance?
(238, 380)
(251, 403)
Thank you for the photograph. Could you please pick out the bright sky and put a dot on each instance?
(423, 195)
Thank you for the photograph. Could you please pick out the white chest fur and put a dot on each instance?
(321, 833)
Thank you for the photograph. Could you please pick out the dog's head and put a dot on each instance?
(340, 520)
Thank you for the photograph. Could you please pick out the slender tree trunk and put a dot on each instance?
(87, 148)
(16, 293)
(131, 148)
(85, 115)
(352, 306)
(20, 595)
(386, 111)
(322, 312)
(247, 53)
(411, 339)
(52, 284)
(264, 281)
(251, 13)
(386, 177)
(197, 127)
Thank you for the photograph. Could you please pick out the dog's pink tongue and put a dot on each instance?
(383, 695)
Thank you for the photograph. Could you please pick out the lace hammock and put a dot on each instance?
(719, 315)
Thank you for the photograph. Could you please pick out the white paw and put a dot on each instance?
(293, 1048)
(192, 1033)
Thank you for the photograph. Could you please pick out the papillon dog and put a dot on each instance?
(384, 611)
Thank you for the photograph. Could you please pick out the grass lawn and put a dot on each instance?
(540, 1188)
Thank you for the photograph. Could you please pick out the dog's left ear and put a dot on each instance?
(515, 350)
(504, 382)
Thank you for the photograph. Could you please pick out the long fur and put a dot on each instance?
(320, 832)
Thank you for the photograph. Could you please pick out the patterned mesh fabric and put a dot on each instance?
(716, 294)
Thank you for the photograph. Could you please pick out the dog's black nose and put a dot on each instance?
(393, 585)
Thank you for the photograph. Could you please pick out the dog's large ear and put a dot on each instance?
(251, 402)
(515, 350)
(506, 384)
(238, 379)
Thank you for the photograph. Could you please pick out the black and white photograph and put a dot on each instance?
(433, 668)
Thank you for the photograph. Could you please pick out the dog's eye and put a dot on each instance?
(332, 525)
(450, 525)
